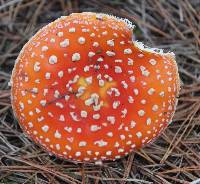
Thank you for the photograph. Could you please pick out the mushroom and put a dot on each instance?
(83, 90)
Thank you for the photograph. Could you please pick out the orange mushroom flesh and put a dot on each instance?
(85, 91)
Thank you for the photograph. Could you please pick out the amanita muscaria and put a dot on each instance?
(84, 90)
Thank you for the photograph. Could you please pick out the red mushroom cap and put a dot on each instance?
(85, 91)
